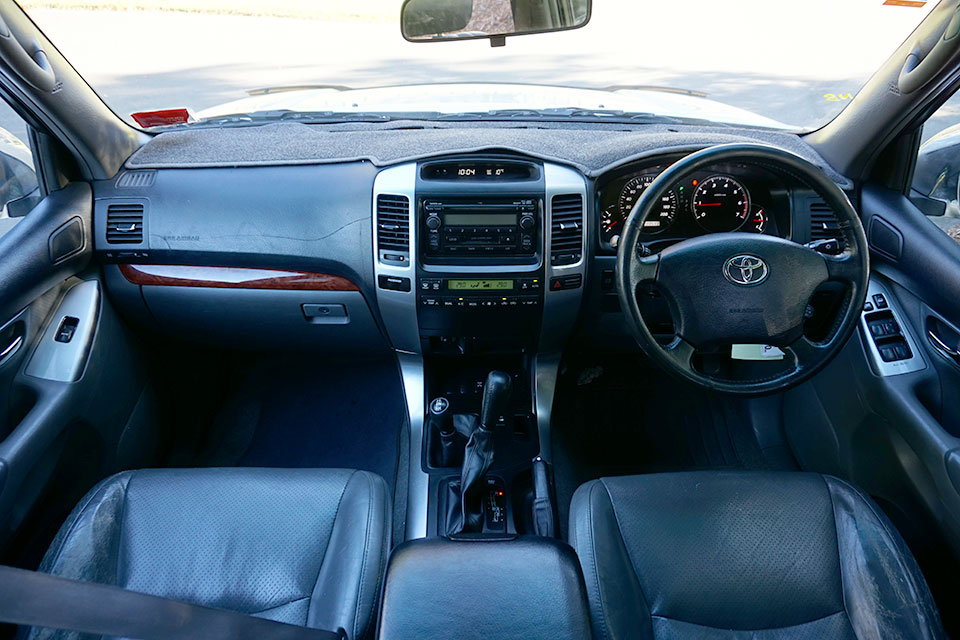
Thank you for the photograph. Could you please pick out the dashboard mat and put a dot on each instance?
(591, 148)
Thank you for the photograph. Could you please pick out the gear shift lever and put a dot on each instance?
(478, 454)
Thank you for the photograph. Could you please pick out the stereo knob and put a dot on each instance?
(433, 222)
(527, 222)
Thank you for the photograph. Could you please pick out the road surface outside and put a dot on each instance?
(795, 62)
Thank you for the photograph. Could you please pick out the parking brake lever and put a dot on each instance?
(543, 515)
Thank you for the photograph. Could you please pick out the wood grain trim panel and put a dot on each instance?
(175, 275)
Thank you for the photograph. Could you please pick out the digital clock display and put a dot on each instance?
(480, 171)
(480, 285)
(492, 171)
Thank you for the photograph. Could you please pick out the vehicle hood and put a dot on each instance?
(480, 97)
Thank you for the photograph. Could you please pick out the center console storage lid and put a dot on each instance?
(440, 589)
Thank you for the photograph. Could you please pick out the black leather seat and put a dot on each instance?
(724, 555)
(302, 546)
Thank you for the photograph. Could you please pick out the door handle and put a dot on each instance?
(952, 353)
(10, 349)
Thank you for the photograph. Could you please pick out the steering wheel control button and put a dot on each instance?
(394, 283)
(880, 301)
(745, 270)
(829, 246)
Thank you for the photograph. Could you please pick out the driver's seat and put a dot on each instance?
(721, 555)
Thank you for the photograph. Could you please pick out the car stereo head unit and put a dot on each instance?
(480, 228)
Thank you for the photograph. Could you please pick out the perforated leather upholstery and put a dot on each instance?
(723, 555)
(301, 546)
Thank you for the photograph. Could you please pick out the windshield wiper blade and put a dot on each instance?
(262, 91)
(572, 114)
(653, 87)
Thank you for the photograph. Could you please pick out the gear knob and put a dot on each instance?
(496, 398)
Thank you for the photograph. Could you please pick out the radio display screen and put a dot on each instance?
(480, 219)
(480, 285)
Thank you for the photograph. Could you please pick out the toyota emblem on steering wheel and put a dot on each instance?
(745, 270)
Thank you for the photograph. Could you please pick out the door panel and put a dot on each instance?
(70, 387)
(896, 436)
(35, 256)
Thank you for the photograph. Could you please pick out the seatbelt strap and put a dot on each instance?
(42, 600)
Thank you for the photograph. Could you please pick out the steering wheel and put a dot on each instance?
(743, 288)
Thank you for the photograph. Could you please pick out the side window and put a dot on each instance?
(936, 188)
(18, 177)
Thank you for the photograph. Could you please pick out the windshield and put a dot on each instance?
(749, 62)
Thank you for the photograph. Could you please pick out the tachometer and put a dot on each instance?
(720, 203)
(662, 217)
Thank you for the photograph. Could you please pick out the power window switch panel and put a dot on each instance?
(888, 353)
(68, 327)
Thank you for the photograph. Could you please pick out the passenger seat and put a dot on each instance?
(301, 546)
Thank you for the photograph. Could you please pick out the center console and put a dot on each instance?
(524, 588)
(480, 266)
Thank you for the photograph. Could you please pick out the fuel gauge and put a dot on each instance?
(756, 222)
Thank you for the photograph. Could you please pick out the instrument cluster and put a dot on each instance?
(727, 197)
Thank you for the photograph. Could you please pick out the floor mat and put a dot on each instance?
(295, 414)
(620, 419)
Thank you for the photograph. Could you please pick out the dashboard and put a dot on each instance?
(451, 251)
(727, 197)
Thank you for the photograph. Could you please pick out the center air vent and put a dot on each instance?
(823, 223)
(125, 223)
(566, 230)
(393, 229)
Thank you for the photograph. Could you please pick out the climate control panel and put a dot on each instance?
(480, 293)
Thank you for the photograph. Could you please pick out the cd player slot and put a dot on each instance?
(456, 229)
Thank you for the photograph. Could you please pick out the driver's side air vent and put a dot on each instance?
(823, 224)
(393, 228)
(566, 229)
(125, 223)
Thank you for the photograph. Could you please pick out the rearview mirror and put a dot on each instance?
(433, 20)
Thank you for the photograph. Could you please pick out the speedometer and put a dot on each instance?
(661, 217)
(720, 203)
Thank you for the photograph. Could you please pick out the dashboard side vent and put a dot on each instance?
(566, 229)
(393, 228)
(823, 223)
(136, 179)
(125, 223)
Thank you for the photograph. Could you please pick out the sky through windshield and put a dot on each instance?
(794, 63)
